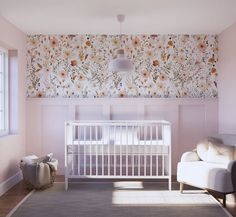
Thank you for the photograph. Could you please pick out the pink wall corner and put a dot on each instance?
(12, 147)
(227, 80)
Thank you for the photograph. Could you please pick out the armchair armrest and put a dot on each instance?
(190, 156)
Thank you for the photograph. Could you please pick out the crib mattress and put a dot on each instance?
(108, 149)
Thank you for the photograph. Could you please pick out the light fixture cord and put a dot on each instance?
(121, 34)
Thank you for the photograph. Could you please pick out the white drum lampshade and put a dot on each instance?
(121, 63)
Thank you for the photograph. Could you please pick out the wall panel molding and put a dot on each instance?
(191, 119)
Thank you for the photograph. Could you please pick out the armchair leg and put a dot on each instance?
(224, 200)
(181, 187)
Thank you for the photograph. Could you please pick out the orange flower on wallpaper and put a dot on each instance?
(202, 47)
(145, 74)
(160, 86)
(88, 43)
(34, 42)
(202, 86)
(170, 43)
(73, 63)
(67, 53)
(53, 42)
(211, 60)
(181, 59)
(149, 53)
(155, 63)
(40, 94)
(136, 42)
(63, 74)
(122, 94)
(214, 71)
(162, 77)
(115, 42)
(81, 77)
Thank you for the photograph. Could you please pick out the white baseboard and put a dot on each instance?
(10, 182)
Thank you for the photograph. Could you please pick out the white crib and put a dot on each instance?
(118, 149)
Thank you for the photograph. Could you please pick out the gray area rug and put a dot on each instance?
(118, 199)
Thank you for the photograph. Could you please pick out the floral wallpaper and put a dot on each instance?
(166, 66)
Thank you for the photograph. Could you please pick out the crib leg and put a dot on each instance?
(66, 180)
(66, 183)
(181, 187)
(169, 183)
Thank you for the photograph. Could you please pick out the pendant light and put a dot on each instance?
(120, 63)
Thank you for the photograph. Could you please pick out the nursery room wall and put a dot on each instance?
(227, 78)
(12, 146)
(175, 79)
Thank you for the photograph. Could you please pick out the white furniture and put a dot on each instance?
(118, 149)
(210, 166)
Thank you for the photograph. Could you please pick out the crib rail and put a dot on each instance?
(118, 149)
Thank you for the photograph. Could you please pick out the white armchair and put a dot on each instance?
(212, 165)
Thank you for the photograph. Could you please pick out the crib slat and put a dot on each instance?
(114, 151)
(139, 164)
(150, 150)
(108, 154)
(145, 156)
(72, 151)
(121, 154)
(103, 151)
(132, 147)
(84, 139)
(90, 150)
(158, 153)
(126, 150)
(163, 162)
(78, 134)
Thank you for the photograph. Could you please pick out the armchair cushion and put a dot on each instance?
(220, 153)
(202, 148)
(190, 156)
(212, 150)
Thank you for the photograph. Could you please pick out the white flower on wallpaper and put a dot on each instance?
(166, 66)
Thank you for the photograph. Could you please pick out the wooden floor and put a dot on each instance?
(12, 197)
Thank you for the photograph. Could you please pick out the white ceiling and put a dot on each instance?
(99, 16)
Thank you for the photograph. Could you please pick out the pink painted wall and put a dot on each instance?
(227, 80)
(191, 119)
(12, 147)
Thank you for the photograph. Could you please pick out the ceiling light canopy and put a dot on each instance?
(120, 63)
